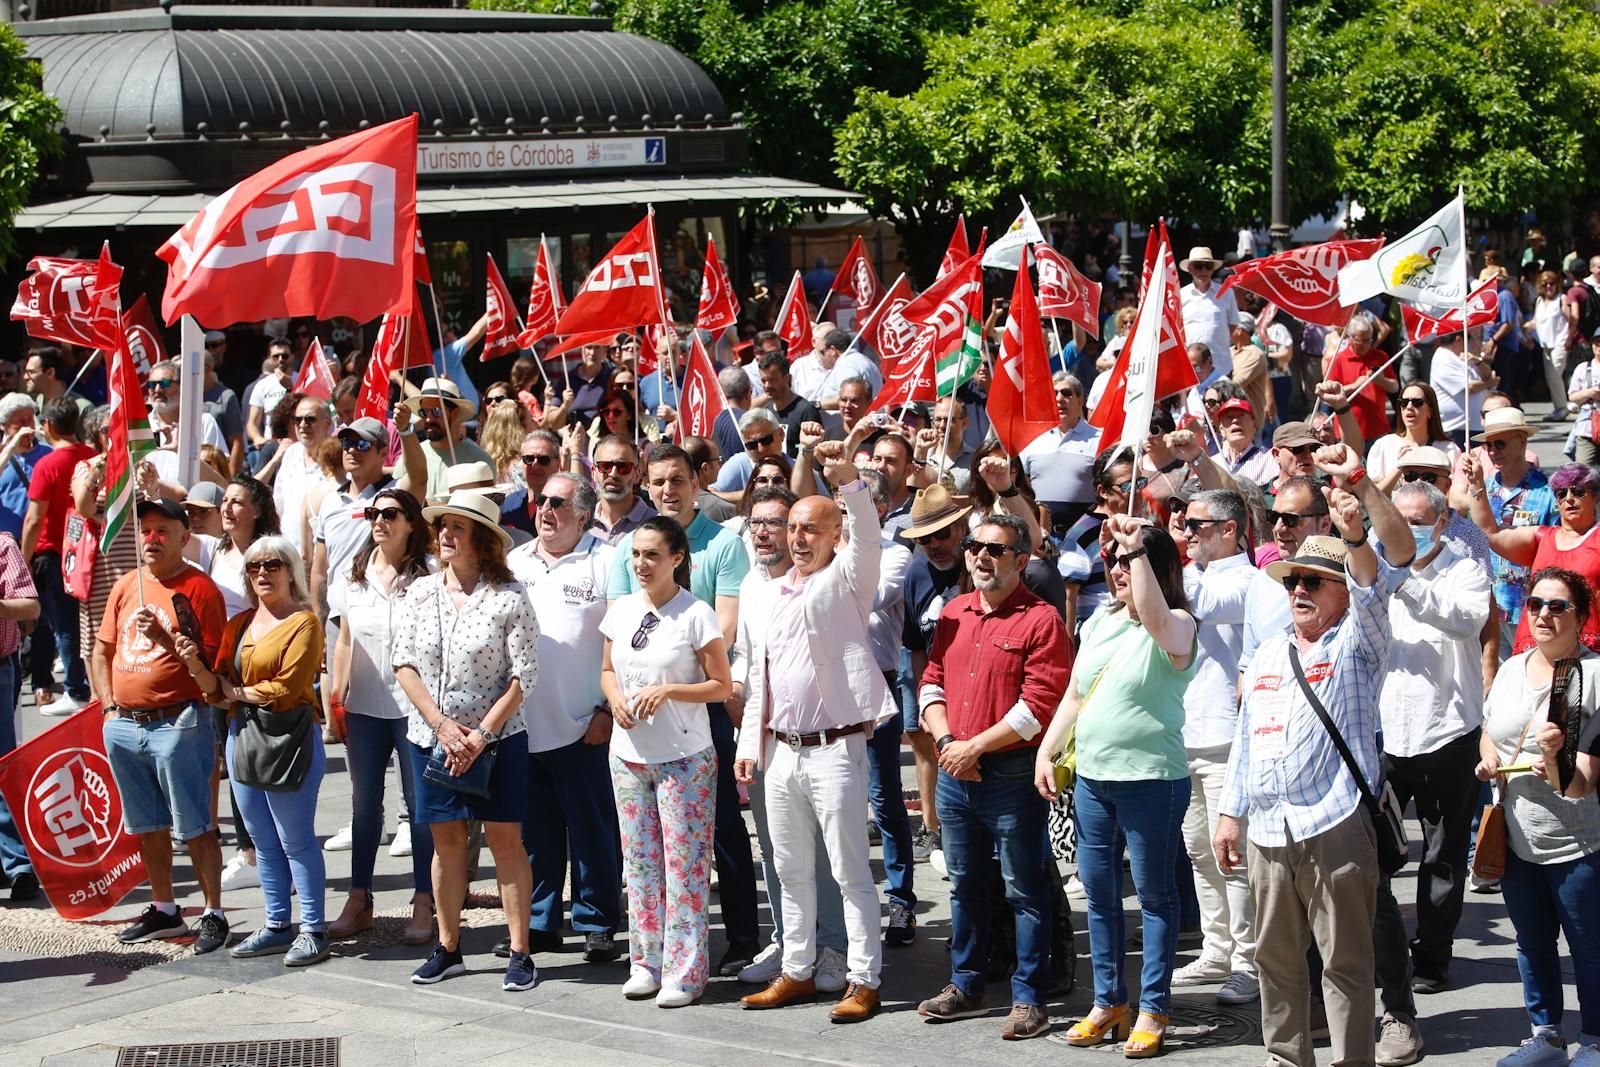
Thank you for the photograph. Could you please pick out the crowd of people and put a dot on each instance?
(585, 638)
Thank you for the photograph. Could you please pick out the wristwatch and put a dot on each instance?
(1011, 492)
(938, 746)
(488, 737)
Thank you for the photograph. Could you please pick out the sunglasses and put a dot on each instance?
(1413, 401)
(937, 535)
(305, 420)
(1301, 451)
(1421, 476)
(356, 444)
(1212, 401)
(1497, 444)
(1558, 606)
(491, 401)
(1310, 581)
(763, 441)
(555, 502)
(613, 466)
(386, 514)
(259, 566)
(1289, 519)
(529, 460)
(771, 479)
(1114, 560)
(159, 385)
(1127, 487)
(1067, 392)
(1194, 525)
(614, 413)
(1569, 490)
(992, 549)
(641, 636)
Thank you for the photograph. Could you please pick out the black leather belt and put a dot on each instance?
(149, 715)
(797, 741)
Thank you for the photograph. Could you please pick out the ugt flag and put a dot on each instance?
(702, 396)
(1304, 281)
(1022, 399)
(1426, 266)
(719, 307)
(1424, 323)
(502, 335)
(71, 300)
(856, 278)
(544, 300)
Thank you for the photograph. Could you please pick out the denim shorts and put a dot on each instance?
(163, 771)
(508, 788)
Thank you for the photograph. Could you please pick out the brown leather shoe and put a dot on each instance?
(859, 1003)
(781, 991)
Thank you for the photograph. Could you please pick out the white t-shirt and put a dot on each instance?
(267, 395)
(1449, 380)
(370, 614)
(341, 528)
(298, 474)
(1585, 377)
(227, 570)
(569, 599)
(684, 626)
(1384, 455)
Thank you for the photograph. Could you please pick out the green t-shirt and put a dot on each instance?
(717, 561)
(439, 465)
(1132, 728)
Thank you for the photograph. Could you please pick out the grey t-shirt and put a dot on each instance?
(1541, 825)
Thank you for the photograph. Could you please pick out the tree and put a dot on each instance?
(29, 122)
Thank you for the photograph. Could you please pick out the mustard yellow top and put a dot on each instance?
(282, 666)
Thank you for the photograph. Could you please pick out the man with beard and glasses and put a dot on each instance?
(618, 473)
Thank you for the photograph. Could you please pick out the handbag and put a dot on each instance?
(1388, 820)
(272, 750)
(474, 782)
(1489, 856)
(80, 547)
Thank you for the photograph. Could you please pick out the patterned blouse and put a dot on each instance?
(467, 658)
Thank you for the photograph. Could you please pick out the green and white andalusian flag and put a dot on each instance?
(953, 308)
(131, 441)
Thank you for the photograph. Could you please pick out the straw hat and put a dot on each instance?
(476, 477)
(1503, 421)
(1321, 555)
(442, 390)
(472, 504)
(1200, 254)
(934, 508)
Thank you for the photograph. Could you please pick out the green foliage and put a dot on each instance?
(29, 125)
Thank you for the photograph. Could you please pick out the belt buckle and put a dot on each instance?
(793, 740)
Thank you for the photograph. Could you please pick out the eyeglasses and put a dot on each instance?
(763, 441)
(1421, 476)
(305, 420)
(937, 535)
(1194, 525)
(529, 460)
(641, 636)
(992, 549)
(356, 444)
(555, 502)
(614, 413)
(614, 466)
(1289, 519)
(1127, 487)
(1413, 401)
(386, 514)
(259, 566)
(1310, 582)
(1569, 490)
(1558, 606)
(768, 524)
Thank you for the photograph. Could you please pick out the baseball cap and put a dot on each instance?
(1235, 404)
(171, 509)
(205, 495)
(368, 429)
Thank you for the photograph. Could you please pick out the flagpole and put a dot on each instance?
(861, 323)
(93, 355)
(1466, 334)
(823, 306)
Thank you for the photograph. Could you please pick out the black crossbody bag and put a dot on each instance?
(1388, 821)
(273, 749)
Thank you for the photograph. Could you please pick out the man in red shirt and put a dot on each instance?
(49, 498)
(1357, 358)
(997, 670)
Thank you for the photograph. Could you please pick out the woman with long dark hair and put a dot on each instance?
(1416, 426)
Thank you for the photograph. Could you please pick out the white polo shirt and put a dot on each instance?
(341, 527)
(1061, 465)
(1217, 597)
(1209, 320)
(569, 599)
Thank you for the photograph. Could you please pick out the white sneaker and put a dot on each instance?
(1201, 972)
(765, 967)
(673, 997)
(341, 841)
(1075, 888)
(832, 972)
(240, 873)
(1536, 1051)
(1240, 988)
(401, 846)
(641, 984)
(65, 705)
(936, 861)
(1587, 1055)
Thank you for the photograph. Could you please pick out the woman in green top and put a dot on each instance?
(1135, 658)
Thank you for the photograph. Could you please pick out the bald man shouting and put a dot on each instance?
(815, 692)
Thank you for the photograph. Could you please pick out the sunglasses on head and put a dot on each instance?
(1558, 606)
(268, 566)
(1311, 582)
(1413, 401)
(555, 502)
(992, 549)
(641, 636)
(760, 442)
(529, 459)
(613, 466)
(388, 514)
(357, 444)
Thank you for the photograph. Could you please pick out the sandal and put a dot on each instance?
(416, 934)
(1146, 1044)
(1085, 1033)
(350, 924)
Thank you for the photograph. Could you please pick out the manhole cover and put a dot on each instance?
(1194, 1026)
(300, 1052)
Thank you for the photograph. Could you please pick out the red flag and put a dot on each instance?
(420, 273)
(500, 337)
(948, 303)
(910, 376)
(325, 232)
(314, 379)
(794, 320)
(71, 300)
(856, 278)
(1423, 323)
(69, 815)
(957, 251)
(1022, 399)
(578, 340)
(624, 289)
(1064, 293)
(719, 307)
(374, 399)
(1304, 281)
(886, 330)
(143, 337)
(702, 395)
(544, 301)
(1173, 372)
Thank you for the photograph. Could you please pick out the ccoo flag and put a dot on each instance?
(1427, 266)
(1022, 400)
(1006, 252)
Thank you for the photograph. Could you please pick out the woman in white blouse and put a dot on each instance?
(1417, 425)
(663, 660)
(465, 650)
(397, 552)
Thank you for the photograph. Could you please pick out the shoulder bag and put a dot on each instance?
(474, 782)
(272, 750)
(1388, 820)
(1565, 709)
(1065, 763)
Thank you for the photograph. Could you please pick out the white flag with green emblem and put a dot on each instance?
(1426, 266)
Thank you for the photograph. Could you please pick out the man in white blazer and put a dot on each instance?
(814, 694)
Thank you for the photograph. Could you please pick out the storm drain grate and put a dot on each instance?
(298, 1052)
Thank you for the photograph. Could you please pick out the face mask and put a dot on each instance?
(1424, 538)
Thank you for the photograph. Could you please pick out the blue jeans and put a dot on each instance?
(13, 854)
(889, 810)
(369, 744)
(572, 811)
(288, 854)
(1147, 818)
(59, 610)
(1004, 813)
(1544, 899)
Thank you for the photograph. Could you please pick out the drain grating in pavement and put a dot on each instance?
(299, 1052)
(1196, 1026)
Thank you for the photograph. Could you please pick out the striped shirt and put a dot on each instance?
(1284, 773)
(16, 583)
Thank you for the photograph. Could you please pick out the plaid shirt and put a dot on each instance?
(16, 583)
(1284, 773)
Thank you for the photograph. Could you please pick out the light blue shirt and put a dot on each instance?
(717, 562)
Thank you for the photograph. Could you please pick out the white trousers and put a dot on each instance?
(824, 786)
(1227, 914)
